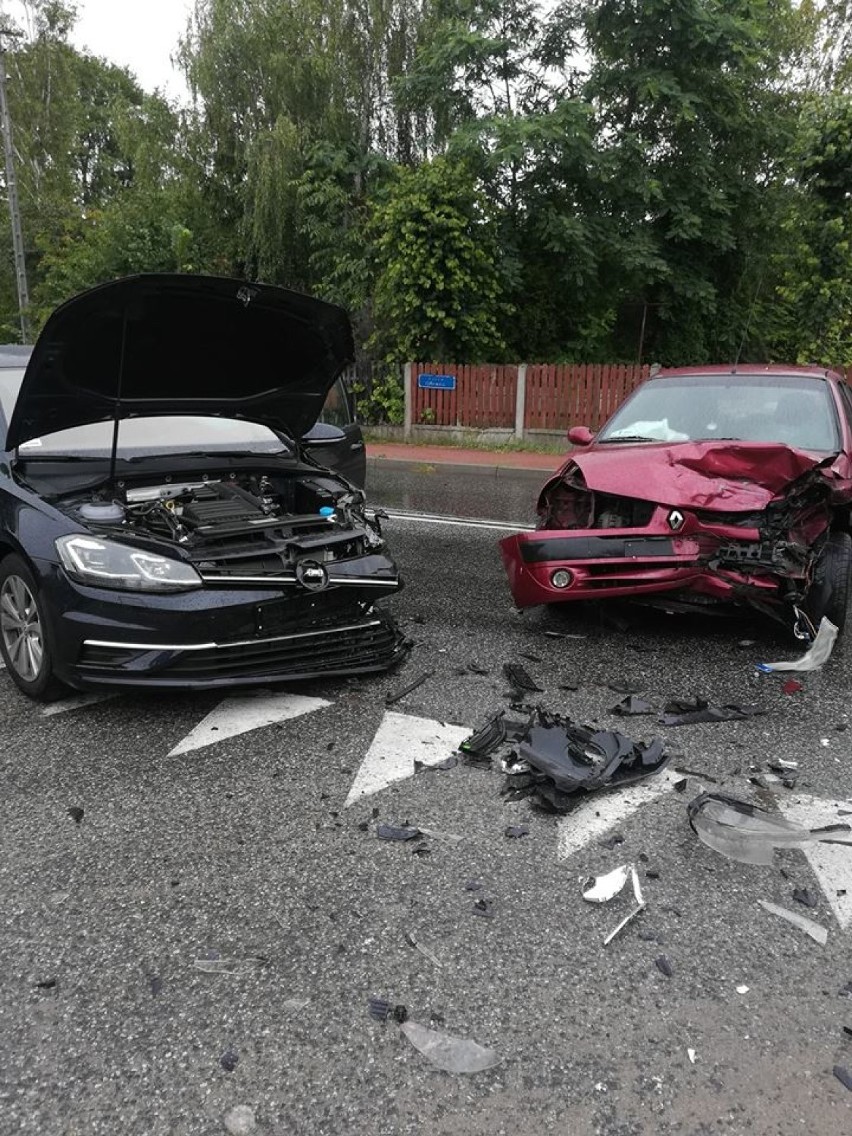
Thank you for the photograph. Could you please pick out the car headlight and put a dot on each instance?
(108, 564)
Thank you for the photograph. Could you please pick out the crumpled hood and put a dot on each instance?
(725, 476)
(180, 344)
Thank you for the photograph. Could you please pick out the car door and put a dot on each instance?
(335, 440)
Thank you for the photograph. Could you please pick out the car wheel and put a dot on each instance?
(832, 584)
(24, 634)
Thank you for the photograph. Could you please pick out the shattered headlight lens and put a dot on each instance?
(108, 564)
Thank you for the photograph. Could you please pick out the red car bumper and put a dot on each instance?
(627, 563)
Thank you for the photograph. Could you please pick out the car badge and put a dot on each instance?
(676, 520)
(312, 575)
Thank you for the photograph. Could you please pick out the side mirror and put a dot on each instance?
(580, 435)
(323, 434)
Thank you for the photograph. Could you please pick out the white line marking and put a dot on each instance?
(831, 863)
(78, 702)
(459, 522)
(400, 739)
(237, 716)
(602, 811)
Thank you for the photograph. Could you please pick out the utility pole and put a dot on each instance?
(12, 191)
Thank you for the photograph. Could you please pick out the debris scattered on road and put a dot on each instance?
(695, 773)
(817, 933)
(452, 1054)
(240, 1120)
(747, 833)
(76, 813)
(690, 712)
(607, 887)
(628, 686)
(427, 952)
(632, 706)
(664, 966)
(814, 658)
(691, 1054)
(805, 897)
(447, 837)
(781, 765)
(46, 984)
(230, 965)
(515, 831)
(474, 885)
(563, 635)
(520, 678)
(742, 990)
(381, 1010)
(792, 686)
(680, 786)
(848, 1031)
(484, 908)
(229, 1060)
(397, 695)
(396, 832)
(477, 669)
(611, 842)
(155, 984)
(482, 742)
(843, 1075)
(824, 742)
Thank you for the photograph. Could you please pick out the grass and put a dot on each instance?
(473, 441)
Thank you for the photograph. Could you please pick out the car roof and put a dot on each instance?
(14, 355)
(751, 370)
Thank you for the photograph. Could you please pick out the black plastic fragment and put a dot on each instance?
(396, 695)
(474, 885)
(394, 832)
(476, 669)
(631, 706)
(652, 875)
(229, 1060)
(848, 1031)
(486, 739)
(611, 841)
(76, 813)
(847, 990)
(155, 984)
(664, 966)
(802, 895)
(680, 786)
(380, 1009)
(46, 984)
(690, 712)
(516, 830)
(520, 678)
(695, 773)
(843, 1075)
(484, 908)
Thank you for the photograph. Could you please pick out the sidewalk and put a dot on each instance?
(451, 455)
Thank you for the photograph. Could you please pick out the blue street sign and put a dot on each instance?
(437, 382)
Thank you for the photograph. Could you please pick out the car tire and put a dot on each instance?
(832, 585)
(25, 636)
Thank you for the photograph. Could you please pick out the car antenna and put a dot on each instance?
(118, 392)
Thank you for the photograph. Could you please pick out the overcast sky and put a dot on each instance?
(139, 34)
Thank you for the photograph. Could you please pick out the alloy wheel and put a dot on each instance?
(20, 626)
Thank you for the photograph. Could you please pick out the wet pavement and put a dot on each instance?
(208, 934)
(496, 494)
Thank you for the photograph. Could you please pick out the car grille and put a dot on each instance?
(372, 645)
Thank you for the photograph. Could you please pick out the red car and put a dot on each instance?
(708, 485)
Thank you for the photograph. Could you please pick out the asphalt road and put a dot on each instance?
(244, 849)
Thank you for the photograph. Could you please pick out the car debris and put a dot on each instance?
(520, 678)
(230, 965)
(229, 1060)
(690, 712)
(484, 908)
(380, 1009)
(607, 887)
(632, 706)
(398, 695)
(515, 831)
(427, 952)
(691, 1054)
(664, 966)
(817, 933)
(452, 1054)
(791, 686)
(394, 832)
(843, 1075)
(76, 813)
(804, 896)
(611, 842)
(814, 658)
(742, 989)
(749, 834)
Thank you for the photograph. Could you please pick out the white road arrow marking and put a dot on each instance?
(78, 702)
(237, 716)
(602, 811)
(831, 863)
(399, 740)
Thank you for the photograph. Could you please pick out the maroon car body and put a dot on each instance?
(736, 489)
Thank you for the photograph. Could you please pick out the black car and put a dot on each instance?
(164, 520)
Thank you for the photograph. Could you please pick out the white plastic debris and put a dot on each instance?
(817, 933)
(453, 1054)
(690, 1053)
(814, 658)
(610, 885)
(742, 990)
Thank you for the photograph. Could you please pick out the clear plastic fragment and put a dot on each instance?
(817, 933)
(814, 658)
(748, 834)
(610, 885)
(230, 965)
(452, 1054)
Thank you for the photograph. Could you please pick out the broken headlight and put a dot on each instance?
(108, 564)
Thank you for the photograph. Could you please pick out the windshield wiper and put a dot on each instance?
(628, 438)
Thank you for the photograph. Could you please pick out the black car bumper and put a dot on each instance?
(215, 637)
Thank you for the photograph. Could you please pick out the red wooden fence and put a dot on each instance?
(576, 394)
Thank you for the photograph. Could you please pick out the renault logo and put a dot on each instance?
(676, 519)
(311, 575)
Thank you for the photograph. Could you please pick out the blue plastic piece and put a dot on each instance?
(326, 511)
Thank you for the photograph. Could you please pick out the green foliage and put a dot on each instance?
(437, 292)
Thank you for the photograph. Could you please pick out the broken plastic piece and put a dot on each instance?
(742, 990)
(792, 686)
(817, 933)
(396, 695)
(690, 712)
(484, 908)
(690, 1053)
(612, 841)
(608, 886)
(814, 658)
(394, 832)
(229, 1060)
(230, 965)
(516, 830)
(452, 1054)
(447, 837)
(381, 1010)
(632, 706)
(664, 966)
(520, 678)
(780, 765)
(803, 896)
(424, 950)
(487, 738)
(747, 833)
(843, 1075)
(76, 813)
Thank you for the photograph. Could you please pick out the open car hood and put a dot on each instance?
(723, 476)
(170, 345)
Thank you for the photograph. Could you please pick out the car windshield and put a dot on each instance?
(794, 410)
(140, 437)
